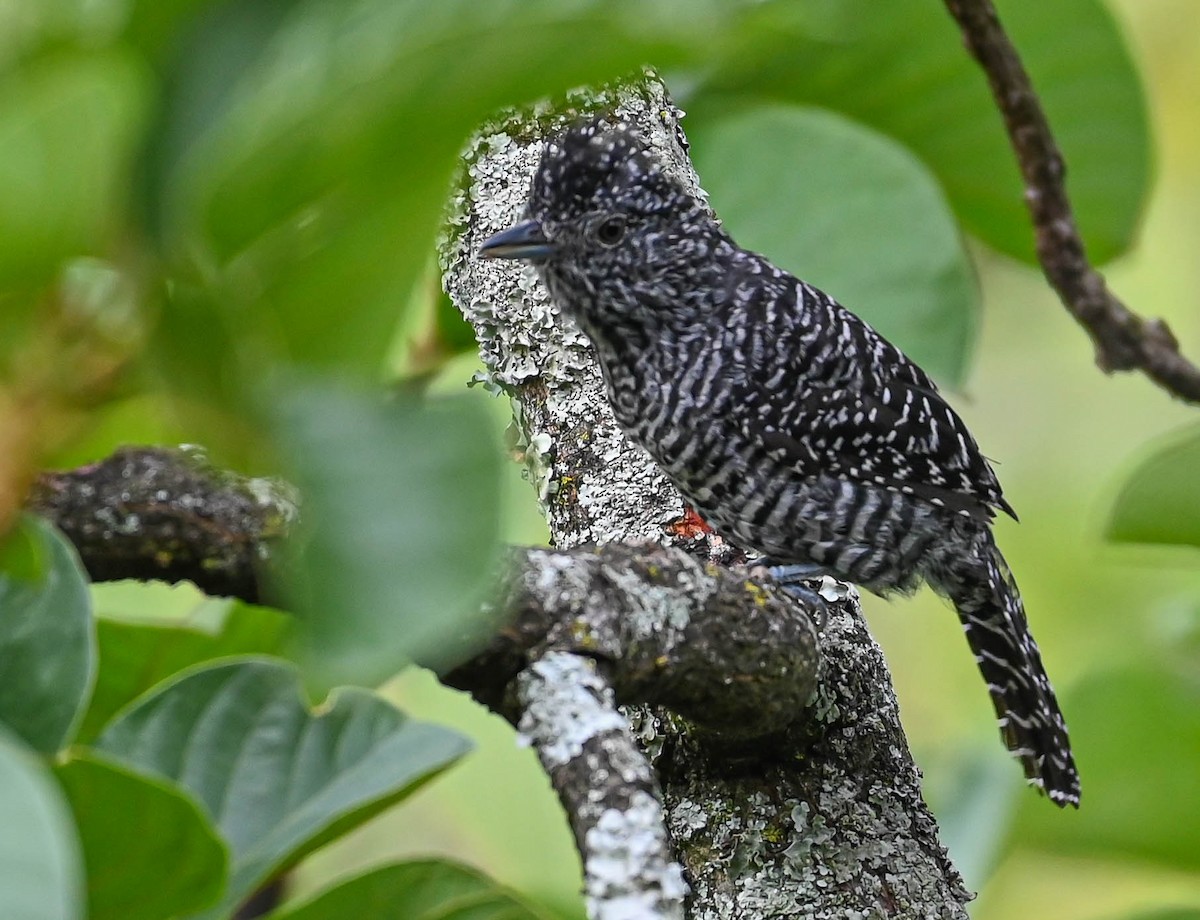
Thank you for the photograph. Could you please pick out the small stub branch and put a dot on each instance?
(152, 512)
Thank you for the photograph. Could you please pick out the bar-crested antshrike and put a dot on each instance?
(792, 426)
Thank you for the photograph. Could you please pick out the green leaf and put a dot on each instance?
(307, 147)
(68, 125)
(422, 890)
(47, 640)
(977, 790)
(852, 212)
(157, 603)
(454, 334)
(901, 68)
(149, 850)
(41, 877)
(194, 343)
(277, 778)
(1136, 734)
(1160, 500)
(153, 27)
(136, 656)
(401, 518)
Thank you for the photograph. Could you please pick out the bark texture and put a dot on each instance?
(757, 769)
(821, 815)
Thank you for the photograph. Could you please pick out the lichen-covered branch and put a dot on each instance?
(820, 817)
(569, 715)
(147, 512)
(586, 630)
(668, 629)
(589, 628)
(1124, 341)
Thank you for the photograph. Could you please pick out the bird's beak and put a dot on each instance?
(522, 241)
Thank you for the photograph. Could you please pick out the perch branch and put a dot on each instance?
(586, 630)
(1123, 340)
(821, 818)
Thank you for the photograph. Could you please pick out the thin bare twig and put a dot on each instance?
(1124, 341)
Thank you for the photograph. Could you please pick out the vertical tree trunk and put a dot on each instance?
(823, 818)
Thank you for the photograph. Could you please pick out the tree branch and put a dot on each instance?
(776, 799)
(147, 512)
(586, 629)
(822, 817)
(664, 629)
(782, 795)
(606, 786)
(1123, 340)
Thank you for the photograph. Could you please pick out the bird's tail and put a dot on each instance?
(983, 591)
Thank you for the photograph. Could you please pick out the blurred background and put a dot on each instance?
(255, 190)
(1119, 625)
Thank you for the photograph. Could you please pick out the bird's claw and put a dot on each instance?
(793, 578)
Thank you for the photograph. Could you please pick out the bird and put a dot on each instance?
(792, 427)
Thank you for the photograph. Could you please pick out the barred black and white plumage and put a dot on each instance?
(792, 426)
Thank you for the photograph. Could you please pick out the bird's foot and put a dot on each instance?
(793, 578)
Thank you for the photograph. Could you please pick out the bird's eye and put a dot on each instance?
(611, 231)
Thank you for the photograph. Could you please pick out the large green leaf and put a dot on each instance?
(136, 656)
(901, 68)
(401, 521)
(47, 640)
(1160, 500)
(974, 789)
(852, 212)
(1136, 735)
(149, 850)
(68, 125)
(278, 779)
(308, 146)
(424, 890)
(41, 877)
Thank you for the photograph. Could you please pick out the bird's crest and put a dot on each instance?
(590, 162)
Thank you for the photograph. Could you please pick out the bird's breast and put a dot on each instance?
(680, 410)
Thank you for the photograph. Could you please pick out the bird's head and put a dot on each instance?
(611, 233)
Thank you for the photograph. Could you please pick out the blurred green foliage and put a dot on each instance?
(217, 225)
(425, 890)
(41, 875)
(874, 55)
(434, 462)
(1160, 503)
(851, 185)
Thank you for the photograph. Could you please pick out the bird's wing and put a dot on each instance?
(896, 434)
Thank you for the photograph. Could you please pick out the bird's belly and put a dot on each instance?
(859, 532)
(737, 488)
(879, 539)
